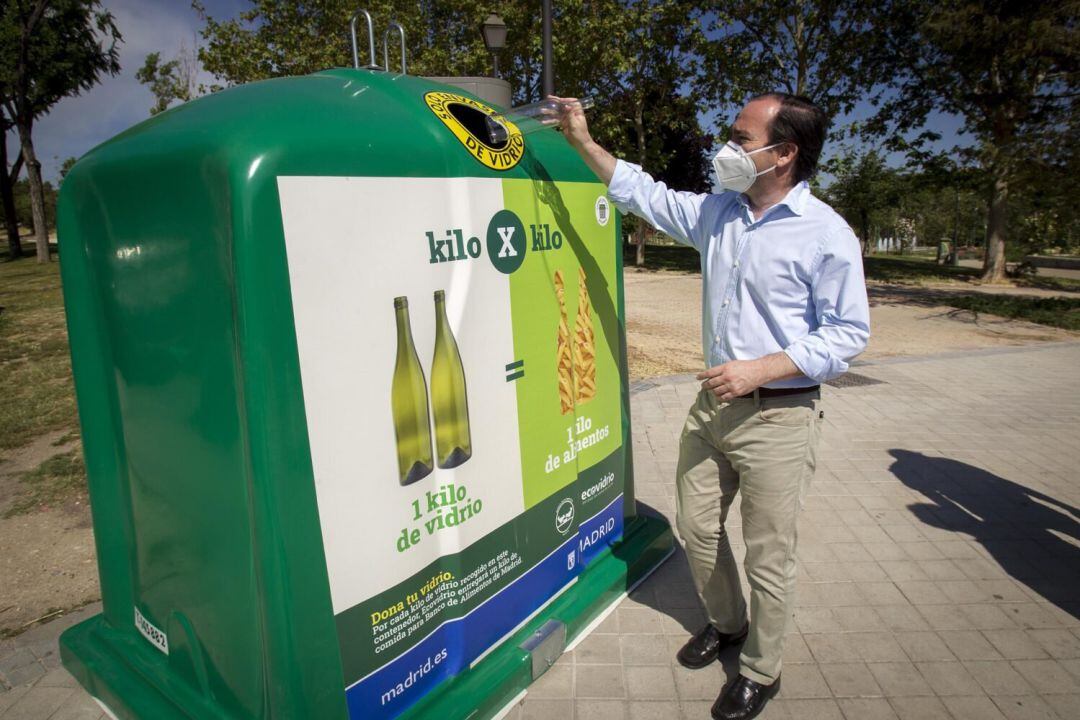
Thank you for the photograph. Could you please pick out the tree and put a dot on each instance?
(680, 151)
(174, 80)
(7, 190)
(66, 166)
(1044, 215)
(50, 49)
(826, 50)
(275, 39)
(1007, 67)
(22, 211)
(654, 50)
(863, 191)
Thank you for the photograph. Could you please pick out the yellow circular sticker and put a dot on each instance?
(487, 135)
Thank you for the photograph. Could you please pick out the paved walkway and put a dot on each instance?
(939, 550)
(33, 685)
(940, 569)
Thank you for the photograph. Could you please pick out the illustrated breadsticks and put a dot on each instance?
(564, 363)
(584, 345)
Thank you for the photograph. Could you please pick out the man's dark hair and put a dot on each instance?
(802, 123)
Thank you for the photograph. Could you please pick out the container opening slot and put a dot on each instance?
(476, 122)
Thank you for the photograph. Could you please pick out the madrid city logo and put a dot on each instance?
(564, 516)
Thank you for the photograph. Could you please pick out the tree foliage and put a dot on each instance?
(50, 49)
(275, 39)
(650, 58)
(24, 215)
(171, 81)
(924, 203)
(826, 50)
(865, 191)
(65, 167)
(1007, 67)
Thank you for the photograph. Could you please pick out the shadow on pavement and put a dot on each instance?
(673, 594)
(672, 584)
(1022, 529)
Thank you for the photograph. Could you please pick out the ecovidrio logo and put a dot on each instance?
(564, 516)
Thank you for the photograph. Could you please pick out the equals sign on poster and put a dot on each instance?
(515, 370)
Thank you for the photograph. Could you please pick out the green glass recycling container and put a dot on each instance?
(352, 383)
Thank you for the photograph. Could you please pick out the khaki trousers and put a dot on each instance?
(764, 448)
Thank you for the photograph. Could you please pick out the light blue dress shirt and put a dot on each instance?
(791, 280)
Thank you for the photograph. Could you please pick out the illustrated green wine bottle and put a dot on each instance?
(409, 403)
(453, 444)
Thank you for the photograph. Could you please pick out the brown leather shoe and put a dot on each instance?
(743, 699)
(706, 644)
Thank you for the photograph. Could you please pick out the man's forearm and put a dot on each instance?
(777, 366)
(738, 377)
(599, 160)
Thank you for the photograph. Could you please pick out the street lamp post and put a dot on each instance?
(956, 230)
(547, 73)
(494, 32)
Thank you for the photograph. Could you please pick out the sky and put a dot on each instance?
(77, 124)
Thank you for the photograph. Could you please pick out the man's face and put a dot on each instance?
(751, 130)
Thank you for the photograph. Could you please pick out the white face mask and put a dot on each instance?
(735, 170)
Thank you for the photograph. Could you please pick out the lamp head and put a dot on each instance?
(494, 32)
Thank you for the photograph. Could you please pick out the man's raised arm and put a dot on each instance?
(576, 131)
(677, 214)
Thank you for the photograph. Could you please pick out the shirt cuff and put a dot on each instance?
(623, 181)
(814, 360)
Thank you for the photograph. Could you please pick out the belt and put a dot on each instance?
(781, 392)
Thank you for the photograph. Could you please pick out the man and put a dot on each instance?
(784, 309)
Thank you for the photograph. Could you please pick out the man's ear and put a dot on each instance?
(786, 154)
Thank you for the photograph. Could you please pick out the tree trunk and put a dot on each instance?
(864, 221)
(37, 192)
(639, 127)
(799, 41)
(7, 197)
(994, 265)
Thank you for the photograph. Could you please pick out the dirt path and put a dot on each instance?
(48, 564)
(663, 316)
(47, 560)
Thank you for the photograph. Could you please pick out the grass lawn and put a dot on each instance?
(915, 269)
(878, 267)
(665, 257)
(1051, 283)
(893, 269)
(1057, 312)
(35, 372)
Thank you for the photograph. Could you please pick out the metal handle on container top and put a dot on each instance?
(371, 38)
(386, 45)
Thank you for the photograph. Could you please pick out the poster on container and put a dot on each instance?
(459, 352)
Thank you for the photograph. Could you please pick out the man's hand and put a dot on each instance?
(732, 379)
(572, 122)
(576, 130)
(741, 377)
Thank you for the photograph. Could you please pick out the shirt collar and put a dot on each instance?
(795, 200)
